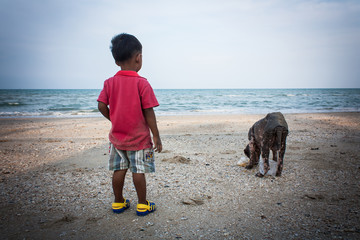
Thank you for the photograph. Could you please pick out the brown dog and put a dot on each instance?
(267, 133)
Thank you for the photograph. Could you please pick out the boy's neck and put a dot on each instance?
(128, 69)
(133, 64)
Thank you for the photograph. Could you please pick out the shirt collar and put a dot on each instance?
(127, 73)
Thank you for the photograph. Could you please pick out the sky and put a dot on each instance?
(186, 44)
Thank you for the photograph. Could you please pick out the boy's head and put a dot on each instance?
(124, 47)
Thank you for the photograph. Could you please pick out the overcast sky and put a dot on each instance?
(186, 44)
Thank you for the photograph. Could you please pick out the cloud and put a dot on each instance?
(187, 44)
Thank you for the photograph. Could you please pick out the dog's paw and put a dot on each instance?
(278, 174)
(259, 175)
(249, 166)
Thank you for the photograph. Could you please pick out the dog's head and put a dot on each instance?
(247, 151)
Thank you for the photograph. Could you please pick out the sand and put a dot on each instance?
(55, 183)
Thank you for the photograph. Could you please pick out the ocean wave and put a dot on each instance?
(232, 95)
(213, 110)
(78, 103)
(50, 114)
(11, 104)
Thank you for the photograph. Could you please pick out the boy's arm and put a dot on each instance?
(151, 121)
(103, 108)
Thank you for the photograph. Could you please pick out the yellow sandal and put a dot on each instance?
(145, 209)
(120, 207)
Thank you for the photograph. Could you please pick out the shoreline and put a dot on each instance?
(55, 183)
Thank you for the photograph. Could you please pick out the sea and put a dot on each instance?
(69, 103)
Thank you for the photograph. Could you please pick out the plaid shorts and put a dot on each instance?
(142, 161)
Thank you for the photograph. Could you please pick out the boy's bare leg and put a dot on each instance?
(118, 185)
(140, 185)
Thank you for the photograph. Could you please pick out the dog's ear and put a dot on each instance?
(247, 151)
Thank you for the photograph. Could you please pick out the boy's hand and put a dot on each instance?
(157, 144)
(151, 121)
(103, 108)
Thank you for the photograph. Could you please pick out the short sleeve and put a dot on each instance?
(148, 98)
(103, 96)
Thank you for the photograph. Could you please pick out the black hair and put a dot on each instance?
(124, 46)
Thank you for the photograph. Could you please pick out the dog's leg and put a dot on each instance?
(266, 160)
(281, 154)
(257, 156)
(265, 155)
(275, 155)
(253, 154)
(279, 164)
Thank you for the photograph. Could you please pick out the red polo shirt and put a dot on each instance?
(127, 94)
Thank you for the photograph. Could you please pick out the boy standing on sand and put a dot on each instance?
(127, 100)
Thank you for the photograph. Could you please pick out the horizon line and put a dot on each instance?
(187, 88)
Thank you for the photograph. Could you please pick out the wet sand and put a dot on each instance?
(55, 183)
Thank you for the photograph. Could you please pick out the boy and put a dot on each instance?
(127, 100)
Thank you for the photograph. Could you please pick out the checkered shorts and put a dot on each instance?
(142, 161)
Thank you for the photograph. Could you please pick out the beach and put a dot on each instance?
(55, 183)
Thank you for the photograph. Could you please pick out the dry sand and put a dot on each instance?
(55, 183)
